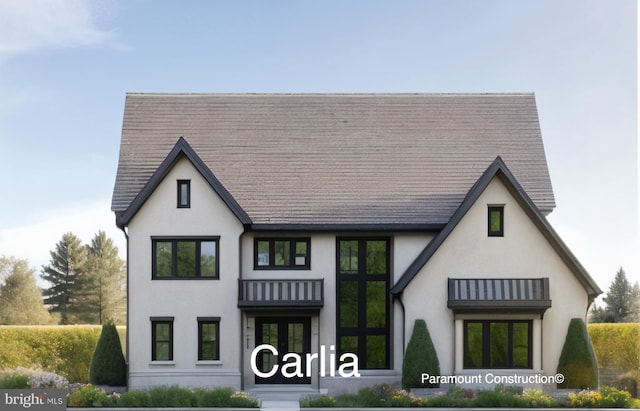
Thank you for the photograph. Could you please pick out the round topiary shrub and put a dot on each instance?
(420, 357)
(108, 366)
(577, 360)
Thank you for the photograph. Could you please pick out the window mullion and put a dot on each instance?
(198, 261)
(510, 344)
(174, 258)
(486, 344)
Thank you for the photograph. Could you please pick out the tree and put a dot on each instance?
(100, 289)
(622, 302)
(66, 264)
(108, 366)
(578, 360)
(20, 298)
(420, 357)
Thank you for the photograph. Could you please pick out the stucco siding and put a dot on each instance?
(405, 247)
(185, 300)
(468, 252)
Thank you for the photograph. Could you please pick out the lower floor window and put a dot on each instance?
(208, 336)
(497, 344)
(162, 339)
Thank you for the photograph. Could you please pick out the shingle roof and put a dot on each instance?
(500, 170)
(336, 159)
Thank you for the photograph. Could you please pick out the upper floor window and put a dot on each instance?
(185, 258)
(282, 254)
(496, 221)
(184, 193)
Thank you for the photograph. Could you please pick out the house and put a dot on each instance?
(315, 225)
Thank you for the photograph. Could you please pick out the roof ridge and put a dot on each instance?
(342, 94)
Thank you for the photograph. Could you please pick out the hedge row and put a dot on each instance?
(616, 345)
(65, 350)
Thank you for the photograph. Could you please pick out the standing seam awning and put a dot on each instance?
(477, 295)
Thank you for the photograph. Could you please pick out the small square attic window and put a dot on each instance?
(496, 221)
(184, 193)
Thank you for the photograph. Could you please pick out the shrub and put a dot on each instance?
(240, 399)
(134, 399)
(108, 366)
(577, 360)
(420, 357)
(614, 398)
(498, 398)
(628, 382)
(172, 396)
(65, 350)
(537, 399)
(319, 401)
(44, 379)
(212, 398)
(88, 396)
(14, 381)
(616, 345)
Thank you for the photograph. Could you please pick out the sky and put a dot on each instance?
(65, 67)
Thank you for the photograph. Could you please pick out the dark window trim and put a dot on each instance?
(208, 320)
(179, 197)
(500, 209)
(292, 253)
(174, 257)
(362, 331)
(486, 343)
(156, 321)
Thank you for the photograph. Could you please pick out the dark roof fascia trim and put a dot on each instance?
(434, 244)
(500, 169)
(347, 227)
(182, 148)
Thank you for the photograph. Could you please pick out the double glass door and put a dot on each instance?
(287, 335)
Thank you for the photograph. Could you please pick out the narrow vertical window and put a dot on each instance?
(184, 193)
(496, 221)
(162, 338)
(208, 337)
(363, 311)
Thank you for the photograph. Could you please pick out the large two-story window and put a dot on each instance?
(497, 344)
(282, 253)
(185, 258)
(363, 300)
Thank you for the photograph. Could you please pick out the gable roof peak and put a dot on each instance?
(498, 168)
(181, 149)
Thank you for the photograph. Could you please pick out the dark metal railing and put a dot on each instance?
(281, 293)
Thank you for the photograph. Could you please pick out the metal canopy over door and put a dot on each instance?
(287, 335)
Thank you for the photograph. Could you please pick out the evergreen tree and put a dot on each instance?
(108, 366)
(20, 299)
(100, 289)
(622, 302)
(578, 360)
(420, 357)
(66, 264)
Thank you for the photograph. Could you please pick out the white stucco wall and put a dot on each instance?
(405, 247)
(185, 300)
(468, 252)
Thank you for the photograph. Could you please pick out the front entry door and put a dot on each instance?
(287, 335)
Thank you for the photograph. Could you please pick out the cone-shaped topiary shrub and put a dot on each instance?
(577, 360)
(420, 357)
(108, 366)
